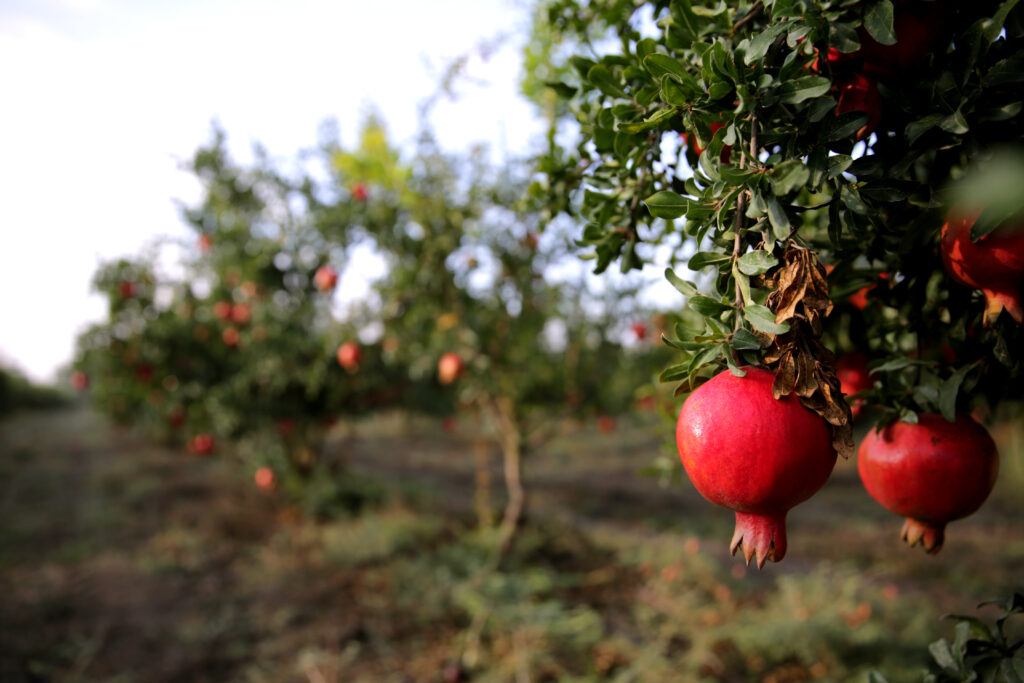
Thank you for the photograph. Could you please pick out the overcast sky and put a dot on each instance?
(102, 98)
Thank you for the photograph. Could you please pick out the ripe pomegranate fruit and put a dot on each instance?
(349, 355)
(240, 313)
(931, 472)
(359, 192)
(205, 243)
(860, 93)
(640, 330)
(222, 310)
(264, 478)
(748, 452)
(917, 26)
(79, 380)
(606, 424)
(230, 336)
(126, 289)
(450, 367)
(326, 278)
(852, 371)
(201, 444)
(995, 264)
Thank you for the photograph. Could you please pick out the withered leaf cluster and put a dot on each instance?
(802, 365)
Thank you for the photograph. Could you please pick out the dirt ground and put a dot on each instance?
(121, 560)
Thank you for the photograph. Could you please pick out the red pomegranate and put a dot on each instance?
(860, 93)
(241, 313)
(931, 472)
(748, 452)
(79, 380)
(349, 355)
(265, 479)
(450, 367)
(230, 336)
(222, 309)
(640, 330)
(326, 278)
(917, 26)
(852, 370)
(995, 264)
(359, 192)
(201, 444)
(606, 424)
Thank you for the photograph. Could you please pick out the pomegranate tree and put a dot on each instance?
(754, 454)
(994, 264)
(932, 472)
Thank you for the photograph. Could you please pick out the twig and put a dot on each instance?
(748, 17)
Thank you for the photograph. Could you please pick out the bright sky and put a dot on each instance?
(102, 98)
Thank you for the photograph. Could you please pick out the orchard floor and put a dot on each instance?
(121, 560)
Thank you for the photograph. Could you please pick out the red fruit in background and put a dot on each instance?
(698, 150)
(230, 336)
(349, 355)
(852, 371)
(265, 479)
(860, 93)
(647, 403)
(995, 264)
(448, 424)
(201, 444)
(932, 472)
(79, 380)
(240, 313)
(917, 26)
(359, 192)
(753, 454)
(222, 310)
(285, 426)
(605, 424)
(126, 289)
(325, 279)
(450, 368)
(640, 330)
(205, 243)
(144, 372)
(176, 418)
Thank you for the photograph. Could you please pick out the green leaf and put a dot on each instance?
(788, 176)
(756, 262)
(949, 390)
(760, 43)
(745, 340)
(674, 373)
(675, 94)
(650, 122)
(743, 283)
(779, 220)
(875, 677)
(680, 284)
(800, 89)
(762, 319)
(702, 259)
(666, 204)
(878, 22)
(561, 89)
(942, 655)
(838, 164)
(605, 81)
(733, 368)
(659, 65)
(707, 306)
(954, 123)
(994, 28)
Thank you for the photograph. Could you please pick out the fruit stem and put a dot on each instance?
(930, 535)
(763, 536)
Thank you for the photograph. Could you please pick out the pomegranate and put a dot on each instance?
(748, 452)
(640, 330)
(201, 444)
(359, 192)
(205, 243)
(230, 336)
(240, 313)
(606, 424)
(852, 371)
(860, 93)
(931, 472)
(79, 380)
(917, 26)
(995, 264)
(349, 355)
(126, 289)
(222, 309)
(326, 278)
(264, 478)
(450, 368)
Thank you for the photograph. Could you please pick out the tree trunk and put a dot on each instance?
(482, 497)
(511, 451)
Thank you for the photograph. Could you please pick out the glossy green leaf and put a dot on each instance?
(680, 284)
(756, 262)
(762, 319)
(666, 204)
(878, 22)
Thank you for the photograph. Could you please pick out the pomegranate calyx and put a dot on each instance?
(931, 536)
(996, 302)
(763, 536)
